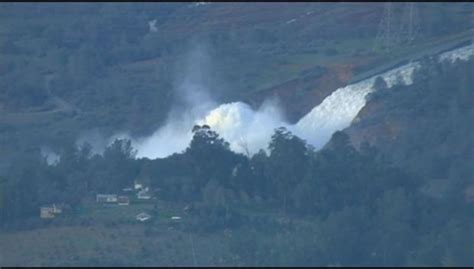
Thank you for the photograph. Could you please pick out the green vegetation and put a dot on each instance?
(290, 206)
(102, 61)
(69, 68)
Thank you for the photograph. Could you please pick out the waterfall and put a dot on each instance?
(248, 130)
(337, 111)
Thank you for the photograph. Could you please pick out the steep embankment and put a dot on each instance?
(299, 95)
(370, 127)
(425, 127)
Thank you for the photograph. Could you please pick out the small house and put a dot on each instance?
(123, 200)
(46, 212)
(137, 185)
(57, 209)
(144, 194)
(143, 217)
(106, 198)
(50, 211)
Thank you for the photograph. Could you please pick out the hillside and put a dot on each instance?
(253, 53)
(394, 188)
(423, 127)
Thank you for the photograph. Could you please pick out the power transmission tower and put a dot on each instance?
(386, 35)
(410, 25)
(472, 25)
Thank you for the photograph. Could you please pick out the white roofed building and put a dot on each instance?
(143, 217)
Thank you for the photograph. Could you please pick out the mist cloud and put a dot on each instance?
(192, 102)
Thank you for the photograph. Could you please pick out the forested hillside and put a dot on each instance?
(425, 127)
(393, 189)
(337, 206)
(71, 67)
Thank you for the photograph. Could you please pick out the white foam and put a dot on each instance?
(248, 130)
(51, 157)
(462, 53)
(337, 111)
(245, 129)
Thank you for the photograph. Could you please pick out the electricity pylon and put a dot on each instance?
(472, 25)
(386, 35)
(410, 24)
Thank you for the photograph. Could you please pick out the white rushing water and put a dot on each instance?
(462, 53)
(246, 130)
(51, 157)
(337, 111)
(249, 130)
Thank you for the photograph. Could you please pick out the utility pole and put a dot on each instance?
(192, 248)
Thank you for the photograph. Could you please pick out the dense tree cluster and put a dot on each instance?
(288, 204)
(336, 206)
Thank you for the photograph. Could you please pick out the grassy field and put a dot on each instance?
(110, 235)
(126, 244)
